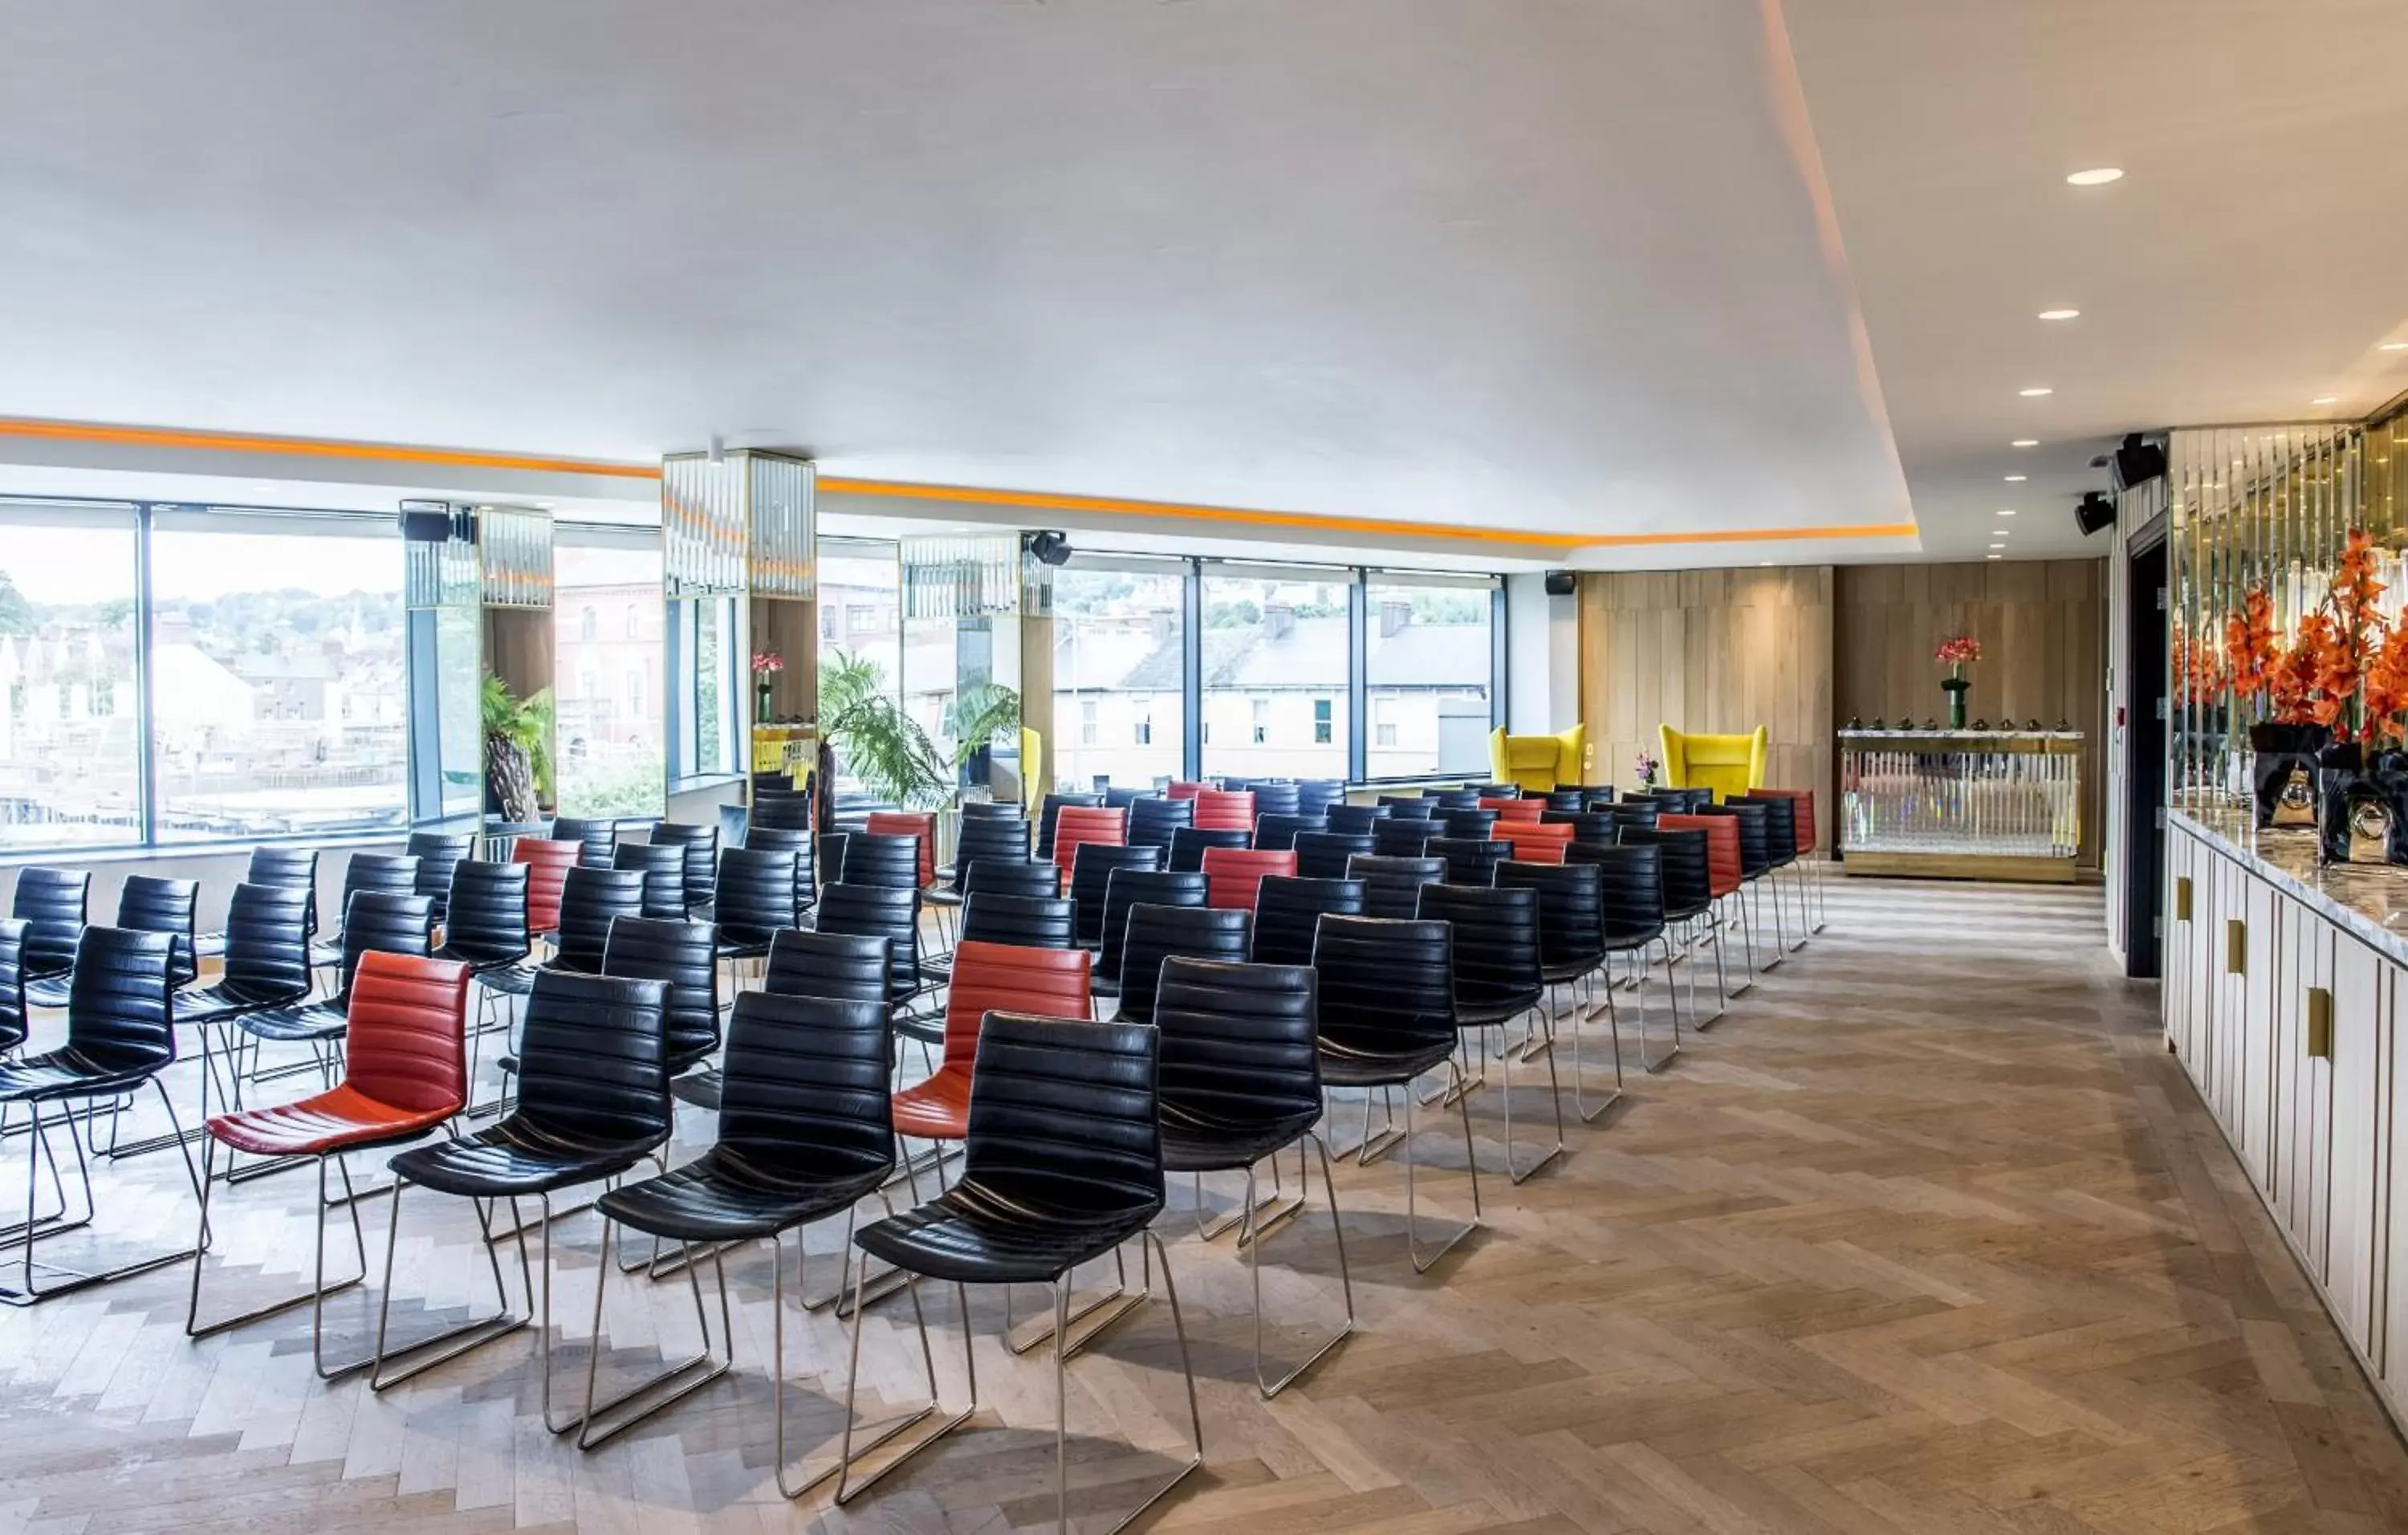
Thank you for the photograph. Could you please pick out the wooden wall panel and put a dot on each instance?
(1711, 651)
(2043, 628)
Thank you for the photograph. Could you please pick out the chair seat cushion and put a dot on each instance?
(1342, 1067)
(1619, 939)
(302, 1024)
(51, 991)
(1190, 1144)
(942, 898)
(723, 1195)
(968, 1236)
(937, 1109)
(1489, 1014)
(339, 1120)
(326, 951)
(1570, 970)
(510, 1159)
(64, 1073)
(508, 980)
(216, 1004)
(744, 942)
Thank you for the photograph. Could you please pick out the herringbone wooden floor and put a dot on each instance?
(1927, 1236)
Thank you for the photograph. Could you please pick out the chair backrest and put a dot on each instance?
(1277, 833)
(119, 1011)
(406, 1026)
(920, 826)
(594, 839)
(1188, 844)
(989, 839)
(1017, 1155)
(1415, 805)
(1033, 922)
(803, 1087)
(701, 848)
(148, 904)
(683, 956)
(1317, 796)
(1129, 888)
(1513, 808)
(830, 846)
(846, 967)
(1241, 1049)
(1571, 909)
(293, 867)
(437, 852)
(1683, 866)
(1153, 819)
(1287, 910)
(1780, 826)
(1755, 839)
(380, 922)
(1455, 799)
(784, 810)
(1572, 800)
(1225, 809)
(1120, 796)
(1587, 826)
(53, 904)
(267, 944)
(798, 842)
(1404, 837)
(1801, 802)
(1533, 842)
(1231, 875)
(1011, 877)
(1722, 765)
(889, 860)
(13, 1020)
(1356, 820)
(1181, 788)
(1275, 797)
(1008, 978)
(1470, 860)
(1637, 814)
(663, 867)
(486, 920)
(1323, 854)
(1392, 887)
(754, 895)
(548, 862)
(594, 1063)
(1387, 986)
(1080, 825)
(1157, 932)
(870, 910)
(1631, 889)
(1048, 813)
(1093, 867)
(1497, 970)
(1724, 870)
(390, 873)
(1468, 824)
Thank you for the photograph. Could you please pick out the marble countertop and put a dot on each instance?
(2369, 902)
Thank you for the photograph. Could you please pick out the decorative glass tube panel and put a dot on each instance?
(515, 544)
(1960, 793)
(968, 576)
(785, 562)
(703, 542)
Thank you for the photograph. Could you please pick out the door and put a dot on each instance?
(2361, 1006)
(2145, 748)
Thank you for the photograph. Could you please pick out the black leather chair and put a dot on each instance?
(841, 966)
(1573, 800)
(1003, 809)
(1387, 1016)
(373, 920)
(1092, 868)
(1498, 979)
(385, 873)
(1597, 827)
(266, 958)
(1120, 796)
(1404, 837)
(1130, 887)
(1276, 796)
(753, 898)
(1153, 819)
(438, 854)
(663, 867)
(145, 904)
(831, 846)
(1468, 826)
(15, 1020)
(700, 845)
(593, 1102)
(785, 809)
(805, 1132)
(1050, 811)
(1571, 945)
(1471, 861)
(486, 920)
(1324, 854)
(1157, 932)
(799, 843)
(1412, 807)
(594, 839)
(679, 955)
(887, 860)
(1031, 921)
(1003, 838)
(1632, 922)
(1454, 799)
(1033, 1202)
(1316, 795)
(1188, 843)
(1781, 851)
(1497, 791)
(53, 904)
(590, 899)
(1635, 815)
(1392, 887)
(1011, 877)
(1288, 909)
(1356, 820)
(1277, 833)
(293, 868)
(119, 1037)
(878, 912)
(1754, 863)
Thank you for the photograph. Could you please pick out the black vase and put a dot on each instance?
(2283, 772)
(2361, 801)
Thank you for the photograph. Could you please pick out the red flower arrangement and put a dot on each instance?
(2347, 667)
(769, 661)
(1957, 650)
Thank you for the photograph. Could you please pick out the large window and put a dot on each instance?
(280, 683)
(1276, 666)
(1119, 660)
(608, 622)
(861, 632)
(70, 708)
(712, 736)
(1426, 670)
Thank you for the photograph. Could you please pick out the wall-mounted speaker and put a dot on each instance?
(1562, 583)
(2095, 513)
(427, 521)
(1049, 547)
(2137, 463)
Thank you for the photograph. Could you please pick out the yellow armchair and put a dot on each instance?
(1728, 765)
(1537, 763)
(1032, 780)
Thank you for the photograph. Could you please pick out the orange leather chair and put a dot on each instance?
(1722, 848)
(1076, 824)
(1233, 877)
(1225, 809)
(906, 824)
(1513, 809)
(1182, 790)
(1532, 842)
(548, 865)
(989, 978)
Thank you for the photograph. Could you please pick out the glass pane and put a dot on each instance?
(717, 726)
(1275, 649)
(861, 634)
(281, 688)
(69, 732)
(1119, 701)
(607, 618)
(1427, 676)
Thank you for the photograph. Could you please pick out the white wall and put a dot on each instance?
(1542, 657)
(218, 870)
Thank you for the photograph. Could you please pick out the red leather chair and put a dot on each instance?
(1185, 791)
(989, 978)
(1803, 799)
(1225, 809)
(1233, 877)
(1077, 823)
(1533, 843)
(406, 1074)
(548, 864)
(1513, 809)
(1722, 848)
(903, 824)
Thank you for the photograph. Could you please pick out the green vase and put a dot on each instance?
(1957, 687)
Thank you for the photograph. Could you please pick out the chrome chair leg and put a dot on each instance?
(688, 1376)
(314, 1298)
(30, 1291)
(1255, 1216)
(777, 1363)
(847, 1489)
(1613, 1026)
(1412, 1202)
(1518, 1176)
(466, 1336)
(1252, 1239)
(1109, 1307)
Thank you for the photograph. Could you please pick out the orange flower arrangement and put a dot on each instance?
(2387, 687)
(2292, 687)
(2249, 648)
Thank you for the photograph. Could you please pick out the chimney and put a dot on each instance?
(1394, 617)
(1279, 622)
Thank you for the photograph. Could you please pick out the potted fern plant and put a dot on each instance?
(518, 751)
(880, 745)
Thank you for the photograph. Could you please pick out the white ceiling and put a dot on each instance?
(1570, 266)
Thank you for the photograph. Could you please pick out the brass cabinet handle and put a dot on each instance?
(2182, 899)
(2319, 1023)
(2236, 947)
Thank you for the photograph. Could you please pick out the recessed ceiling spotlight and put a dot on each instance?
(1764, 563)
(2325, 400)
(1998, 546)
(2036, 392)
(2393, 346)
(2097, 178)
(1994, 556)
(2006, 511)
(2061, 314)
(1997, 533)
(2016, 478)
(2025, 442)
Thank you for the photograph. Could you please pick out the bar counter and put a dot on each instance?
(1961, 804)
